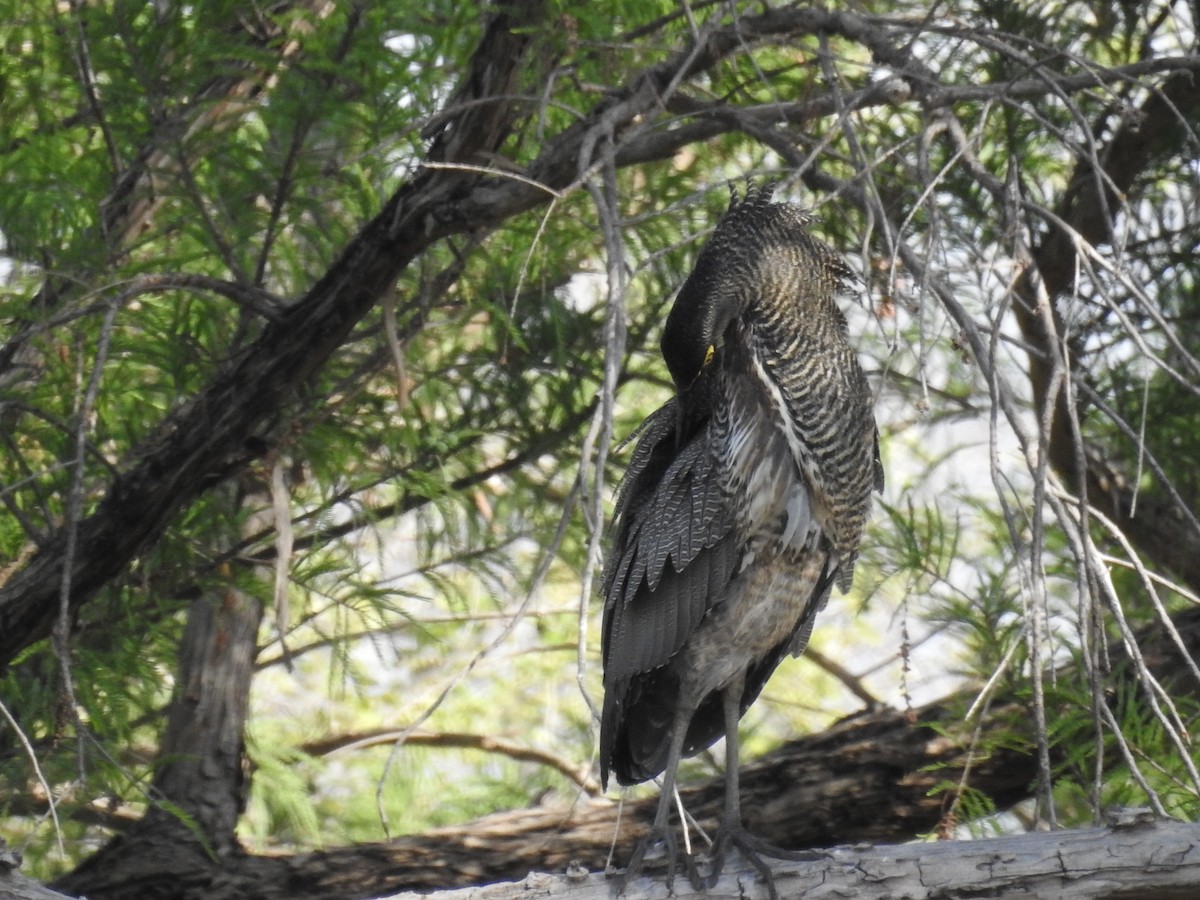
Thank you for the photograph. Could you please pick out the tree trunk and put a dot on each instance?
(199, 789)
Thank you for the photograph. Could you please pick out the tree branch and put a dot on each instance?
(882, 775)
(234, 420)
(1160, 860)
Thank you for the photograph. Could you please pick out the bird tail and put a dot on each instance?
(637, 724)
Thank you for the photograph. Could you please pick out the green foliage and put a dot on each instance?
(174, 176)
(281, 803)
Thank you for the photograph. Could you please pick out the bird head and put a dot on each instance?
(760, 253)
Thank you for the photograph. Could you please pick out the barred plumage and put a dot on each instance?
(743, 503)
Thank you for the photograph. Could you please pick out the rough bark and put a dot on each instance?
(199, 788)
(14, 885)
(202, 754)
(1127, 863)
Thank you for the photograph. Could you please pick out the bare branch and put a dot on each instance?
(346, 743)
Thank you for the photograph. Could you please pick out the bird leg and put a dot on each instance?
(732, 832)
(660, 830)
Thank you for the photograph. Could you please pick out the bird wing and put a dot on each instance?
(673, 554)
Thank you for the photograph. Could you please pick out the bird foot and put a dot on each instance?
(753, 849)
(659, 842)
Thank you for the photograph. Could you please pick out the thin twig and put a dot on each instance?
(37, 771)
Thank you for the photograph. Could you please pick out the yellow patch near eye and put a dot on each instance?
(709, 354)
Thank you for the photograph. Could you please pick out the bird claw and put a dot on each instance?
(671, 851)
(752, 849)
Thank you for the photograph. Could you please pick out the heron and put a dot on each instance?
(742, 506)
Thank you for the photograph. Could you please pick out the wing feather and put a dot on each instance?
(670, 560)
